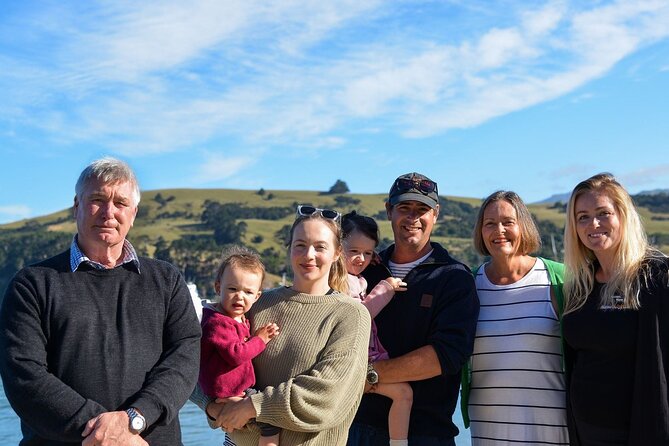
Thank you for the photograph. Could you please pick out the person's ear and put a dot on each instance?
(217, 287)
(75, 206)
(258, 296)
(389, 209)
(134, 215)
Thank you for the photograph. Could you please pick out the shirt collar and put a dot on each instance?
(77, 257)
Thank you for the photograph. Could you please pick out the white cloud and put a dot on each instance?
(14, 212)
(173, 76)
(219, 167)
(544, 20)
(651, 175)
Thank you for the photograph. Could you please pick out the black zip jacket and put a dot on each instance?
(440, 308)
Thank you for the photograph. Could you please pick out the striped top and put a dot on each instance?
(400, 270)
(518, 387)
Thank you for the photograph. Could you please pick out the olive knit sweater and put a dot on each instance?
(312, 375)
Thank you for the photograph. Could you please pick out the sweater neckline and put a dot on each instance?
(296, 296)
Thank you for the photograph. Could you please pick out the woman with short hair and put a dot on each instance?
(513, 389)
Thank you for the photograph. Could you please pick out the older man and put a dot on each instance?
(97, 345)
(428, 330)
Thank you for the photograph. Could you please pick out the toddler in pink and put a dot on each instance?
(227, 346)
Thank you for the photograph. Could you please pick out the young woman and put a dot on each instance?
(616, 321)
(310, 378)
(514, 387)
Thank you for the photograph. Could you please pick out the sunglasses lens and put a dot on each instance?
(327, 213)
(306, 210)
(404, 184)
(426, 186)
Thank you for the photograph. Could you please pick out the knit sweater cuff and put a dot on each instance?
(257, 400)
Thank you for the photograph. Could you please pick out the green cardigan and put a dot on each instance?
(556, 274)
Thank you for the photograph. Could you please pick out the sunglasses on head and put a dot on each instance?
(424, 186)
(307, 211)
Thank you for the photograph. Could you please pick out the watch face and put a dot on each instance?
(137, 423)
(372, 377)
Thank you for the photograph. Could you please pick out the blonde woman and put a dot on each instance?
(616, 321)
(513, 389)
(311, 378)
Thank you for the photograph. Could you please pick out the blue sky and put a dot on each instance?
(290, 94)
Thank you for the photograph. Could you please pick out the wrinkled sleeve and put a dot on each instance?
(378, 298)
(324, 395)
(453, 326)
(172, 380)
(50, 407)
(201, 400)
(221, 333)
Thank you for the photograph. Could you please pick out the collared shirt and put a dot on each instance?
(77, 257)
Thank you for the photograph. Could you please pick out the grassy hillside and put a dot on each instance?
(171, 225)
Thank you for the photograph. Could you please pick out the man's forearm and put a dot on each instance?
(416, 365)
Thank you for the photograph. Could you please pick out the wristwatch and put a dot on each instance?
(372, 374)
(137, 421)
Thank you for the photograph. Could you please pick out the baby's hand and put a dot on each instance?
(397, 284)
(267, 332)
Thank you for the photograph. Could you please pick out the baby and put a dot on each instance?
(227, 345)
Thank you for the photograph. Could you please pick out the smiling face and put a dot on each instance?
(358, 249)
(597, 223)
(104, 214)
(313, 250)
(500, 229)
(239, 289)
(412, 224)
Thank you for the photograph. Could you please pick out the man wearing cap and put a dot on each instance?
(99, 346)
(428, 330)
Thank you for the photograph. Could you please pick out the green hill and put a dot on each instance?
(189, 227)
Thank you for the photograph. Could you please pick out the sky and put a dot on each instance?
(530, 96)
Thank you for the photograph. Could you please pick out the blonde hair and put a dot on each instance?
(529, 235)
(338, 277)
(630, 255)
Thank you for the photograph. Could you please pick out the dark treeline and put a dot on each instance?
(221, 224)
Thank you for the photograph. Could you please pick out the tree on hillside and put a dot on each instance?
(340, 187)
(343, 201)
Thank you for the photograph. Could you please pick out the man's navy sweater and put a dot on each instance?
(77, 344)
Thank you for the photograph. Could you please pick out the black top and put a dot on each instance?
(77, 344)
(439, 308)
(604, 342)
(649, 405)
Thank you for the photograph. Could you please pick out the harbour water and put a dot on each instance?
(195, 430)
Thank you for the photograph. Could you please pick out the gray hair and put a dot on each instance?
(109, 170)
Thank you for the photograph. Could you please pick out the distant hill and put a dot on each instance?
(563, 198)
(189, 227)
(654, 192)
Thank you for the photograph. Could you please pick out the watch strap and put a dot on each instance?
(132, 415)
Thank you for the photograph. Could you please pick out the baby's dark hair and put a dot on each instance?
(365, 225)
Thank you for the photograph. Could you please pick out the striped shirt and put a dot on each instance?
(518, 387)
(400, 270)
(77, 257)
